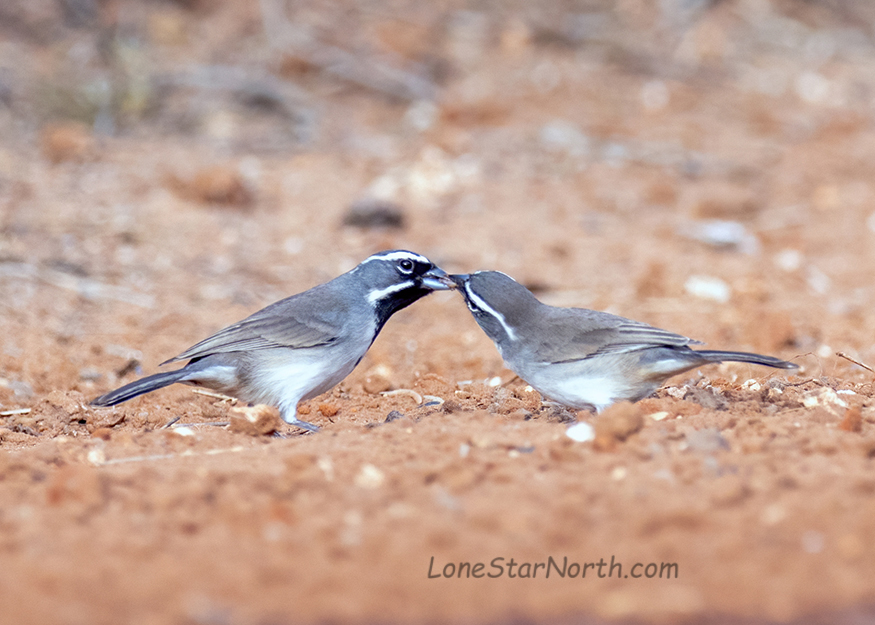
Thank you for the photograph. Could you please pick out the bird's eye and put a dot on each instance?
(405, 266)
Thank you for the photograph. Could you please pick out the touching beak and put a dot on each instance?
(437, 279)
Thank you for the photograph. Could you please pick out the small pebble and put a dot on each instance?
(369, 477)
(581, 432)
(371, 213)
(709, 288)
(394, 416)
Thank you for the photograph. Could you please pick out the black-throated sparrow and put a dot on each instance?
(578, 357)
(301, 346)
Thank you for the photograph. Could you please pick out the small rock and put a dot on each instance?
(96, 456)
(789, 260)
(581, 432)
(258, 420)
(373, 213)
(67, 141)
(393, 416)
(678, 392)
(329, 410)
(369, 477)
(709, 288)
(706, 397)
(102, 433)
(218, 184)
(852, 421)
(90, 374)
(617, 423)
(451, 405)
(520, 414)
(721, 233)
(824, 397)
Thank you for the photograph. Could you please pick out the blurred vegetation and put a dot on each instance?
(200, 66)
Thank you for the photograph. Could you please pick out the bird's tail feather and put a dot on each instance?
(138, 387)
(757, 359)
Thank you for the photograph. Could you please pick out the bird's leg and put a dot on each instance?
(291, 417)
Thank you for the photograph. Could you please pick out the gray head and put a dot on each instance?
(397, 278)
(498, 302)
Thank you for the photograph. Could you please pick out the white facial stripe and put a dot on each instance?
(376, 296)
(482, 305)
(417, 258)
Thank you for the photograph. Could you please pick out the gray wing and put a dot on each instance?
(283, 324)
(577, 333)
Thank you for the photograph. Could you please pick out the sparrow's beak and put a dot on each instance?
(437, 279)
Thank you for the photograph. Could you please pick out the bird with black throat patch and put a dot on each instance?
(583, 359)
(301, 346)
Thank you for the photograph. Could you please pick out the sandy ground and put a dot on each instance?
(589, 155)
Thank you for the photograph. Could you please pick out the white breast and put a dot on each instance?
(283, 382)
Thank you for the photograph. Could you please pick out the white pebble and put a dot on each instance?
(721, 233)
(709, 288)
(818, 281)
(823, 397)
(370, 477)
(823, 351)
(581, 432)
(788, 260)
(96, 457)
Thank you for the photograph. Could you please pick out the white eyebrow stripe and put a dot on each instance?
(397, 256)
(376, 296)
(482, 305)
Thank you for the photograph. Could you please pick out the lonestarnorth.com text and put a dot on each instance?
(552, 568)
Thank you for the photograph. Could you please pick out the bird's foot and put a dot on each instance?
(304, 425)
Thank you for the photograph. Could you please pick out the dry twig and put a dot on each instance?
(856, 362)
